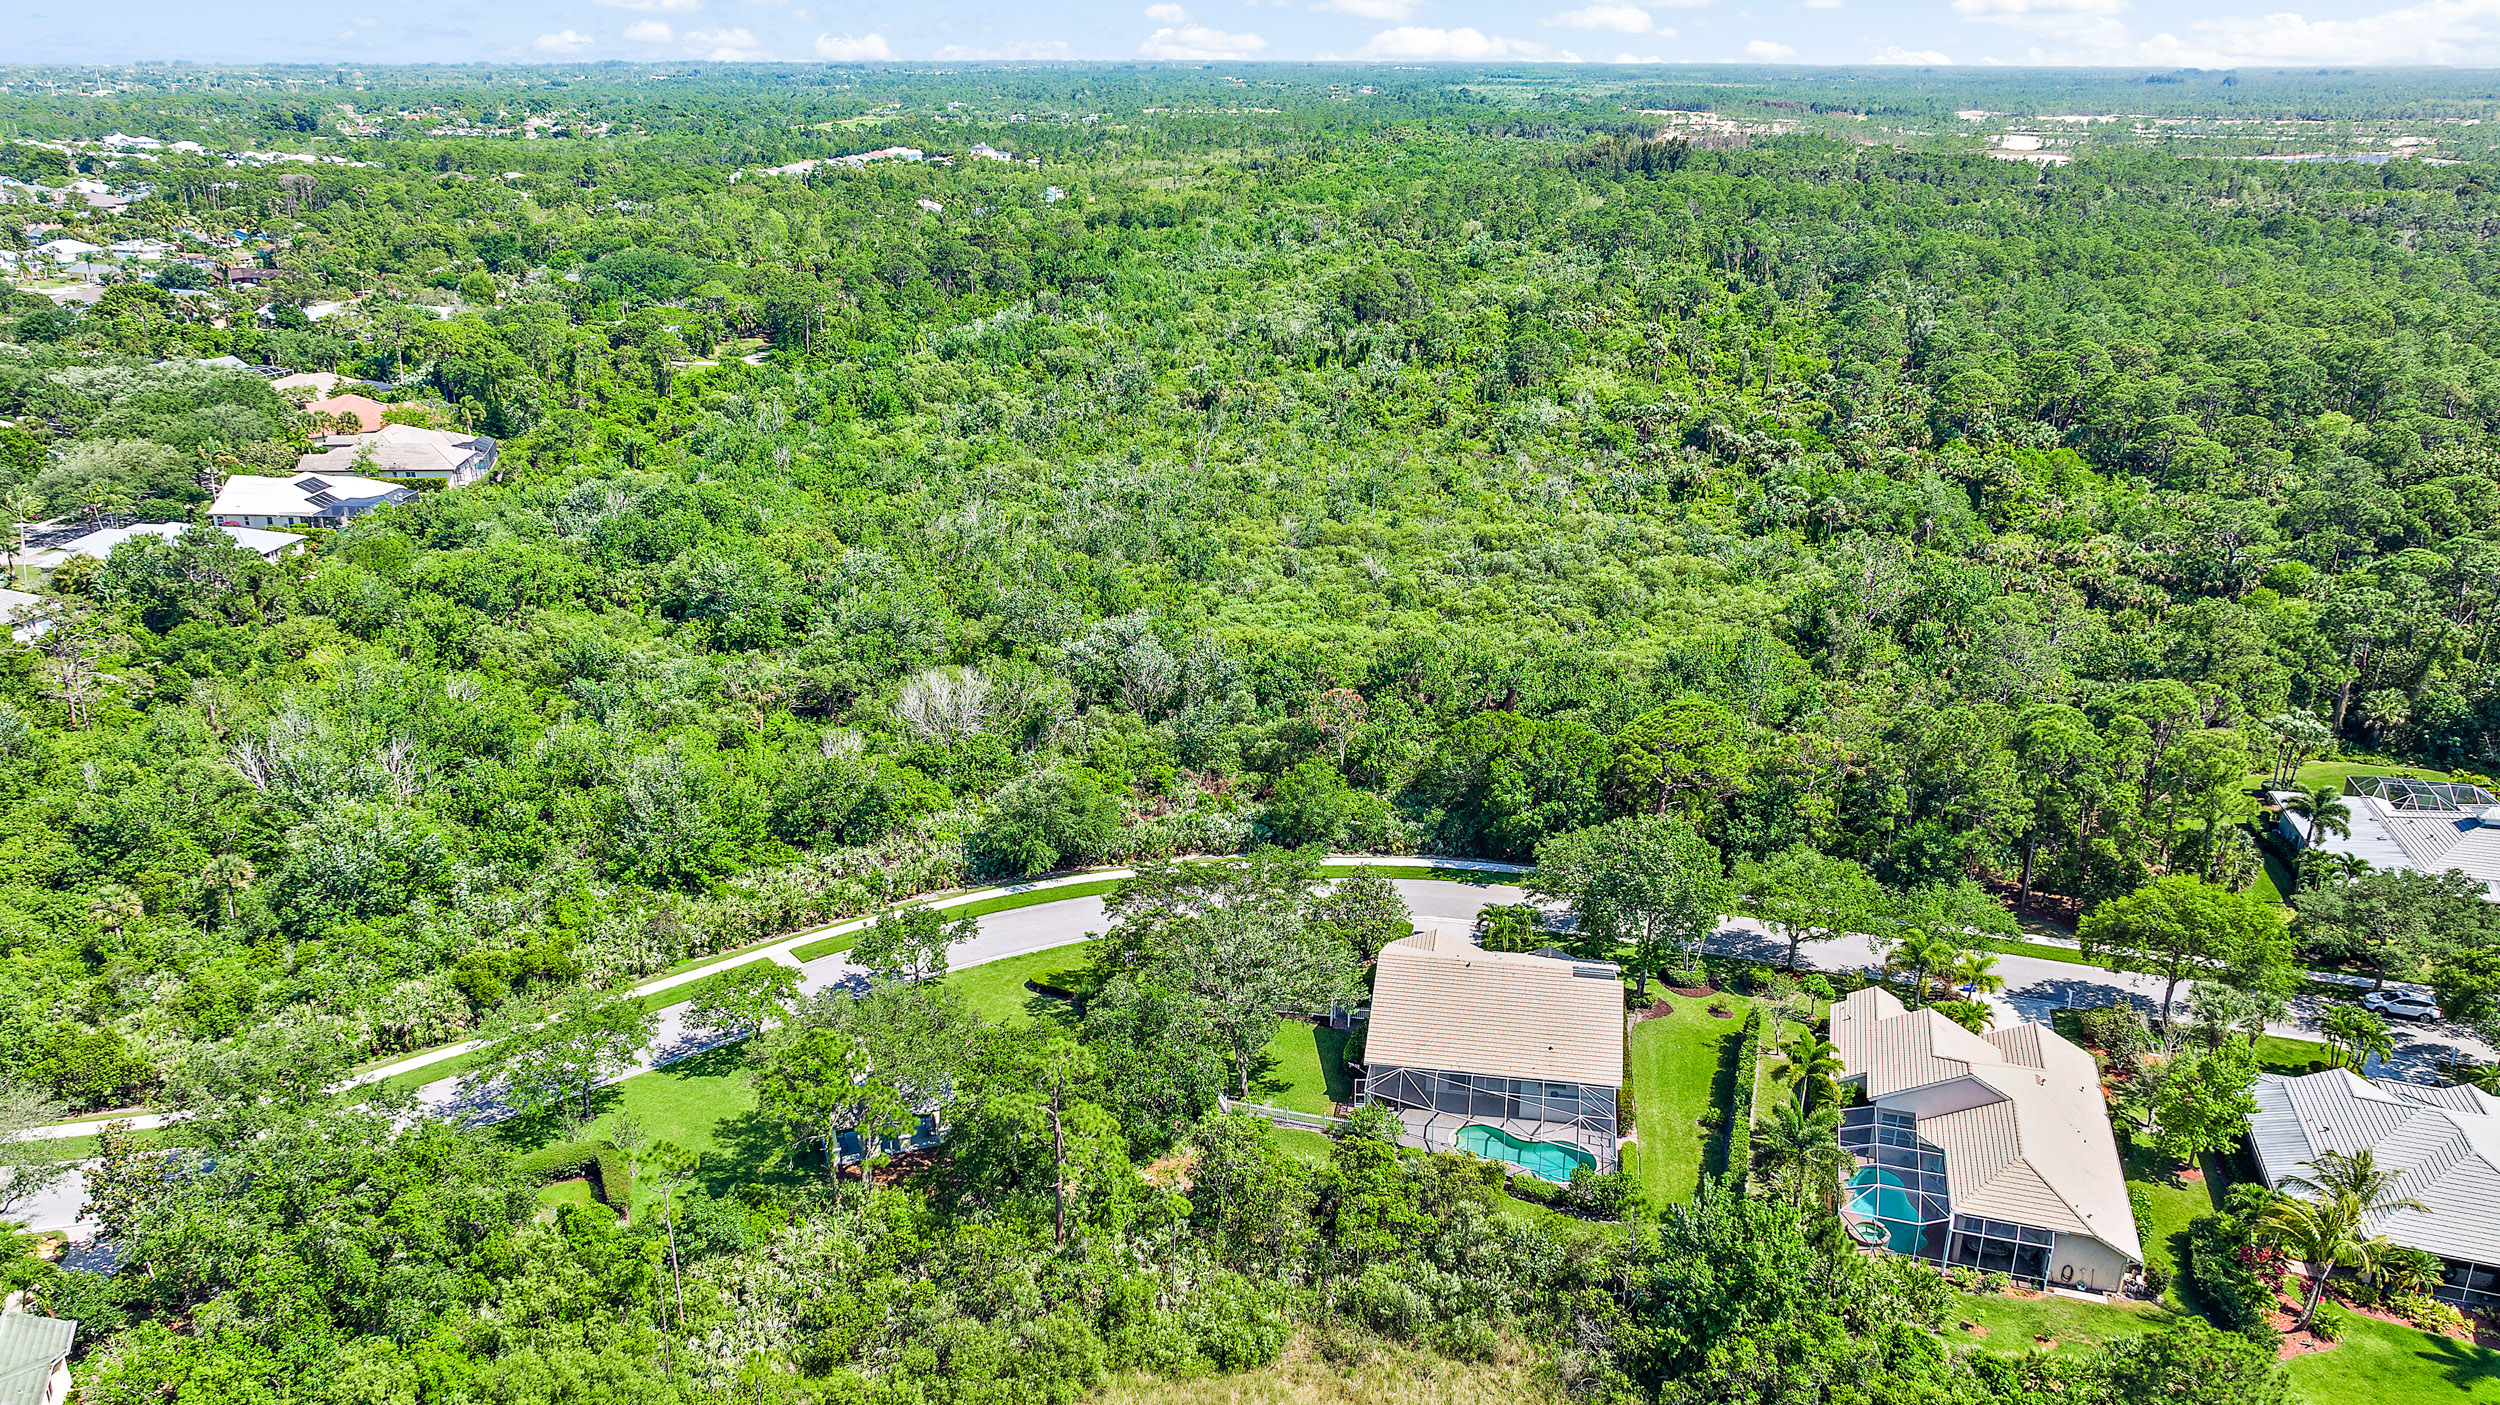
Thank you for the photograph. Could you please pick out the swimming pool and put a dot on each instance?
(1550, 1161)
(1880, 1196)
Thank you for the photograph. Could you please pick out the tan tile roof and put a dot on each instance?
(2036, 1148)
(1439, 1001)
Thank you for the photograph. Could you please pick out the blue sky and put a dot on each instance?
(2202, 33)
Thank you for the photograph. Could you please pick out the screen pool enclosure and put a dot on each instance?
(1900, 1181)
(1549, 1161)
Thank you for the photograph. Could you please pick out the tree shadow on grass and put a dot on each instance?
(755, 1149)
(2464, 1365)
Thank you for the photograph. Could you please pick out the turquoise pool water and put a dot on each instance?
(1551, 1161)
(1879, 1195)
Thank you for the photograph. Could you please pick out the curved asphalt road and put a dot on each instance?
(2034, 987)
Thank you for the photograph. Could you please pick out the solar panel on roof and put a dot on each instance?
(315, 484)
(320, 500)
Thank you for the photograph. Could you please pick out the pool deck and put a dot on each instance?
(1438, 1131)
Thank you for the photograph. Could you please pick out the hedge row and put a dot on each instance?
(1740, 1108)
(609, 1171)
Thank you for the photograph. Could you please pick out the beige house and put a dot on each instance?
(1989, 1151)
(404, 451)
(1513, 1056)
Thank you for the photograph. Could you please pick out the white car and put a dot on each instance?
(2401, 1005)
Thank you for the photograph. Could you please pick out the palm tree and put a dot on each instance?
(2323, 806)
(1976, 972)
(2324, 1236)
(1922, 955)
(2357, 1036)
(1811, 1061)
(1973, 1015)
(2330, 1231)
(1801, 1150)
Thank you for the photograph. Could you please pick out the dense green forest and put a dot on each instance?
(1440, 472)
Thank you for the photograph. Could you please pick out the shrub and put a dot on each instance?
(1601, 1196)
(2156, 1279)
(2228, 1273)
(1818, 985)
(616, 1179)
(1523, 1186)
(2427, 1313)
(2327, 1324)
(557, 1161)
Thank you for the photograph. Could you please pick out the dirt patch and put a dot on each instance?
(2193, 1175)
(1693, 992)
(1658, 1010)
(1974, 1329)
(1723, 1014)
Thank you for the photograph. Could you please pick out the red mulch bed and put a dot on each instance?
(1723, 1014)
(1693, 992)
(1658, 1010)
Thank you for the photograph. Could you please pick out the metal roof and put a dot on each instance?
(2443, 1144)
(1441, 1002)
(30, 1347)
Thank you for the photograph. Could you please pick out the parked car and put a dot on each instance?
(2399, 1005)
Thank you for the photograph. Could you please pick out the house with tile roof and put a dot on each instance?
(2443, 1144)
(402, 451)
(1990, 1151)
(1514, 1056)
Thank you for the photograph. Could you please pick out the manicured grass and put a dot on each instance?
(1305, 1069)
(995, 989)
(1472, 877)
(705, 1104)
(1310, 1148)
(2313, 774)
(2280, 1053)
(573, 1192)
(1005, 902)
(1676, 1073)
(2170, 1201)
(686, 994)
(2388, 1363)
(2014, 1324)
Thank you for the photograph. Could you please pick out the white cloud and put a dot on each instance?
(1636, 58)
(1767, 51)
(1418, 42)
(562, 42)
(1016, 49)
(650, 32)
(724, 45)
(664, 7)
(1167, 14)
(1370, 9)
(1623, 19)
(1894, 53)
(2463, 32)
(1199, 42)
(2090, 26)
(1822, 4)
(850, 48)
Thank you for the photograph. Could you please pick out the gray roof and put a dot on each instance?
(30, 1347)
(2423, 827)
(2442, 1143)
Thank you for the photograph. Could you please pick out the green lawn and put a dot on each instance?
(2171, 1200)
(1676, 1075)
(2387, 1363)
(2279, 1053)
(1305, 1069)
(995, 989)
(1002, 903)
(573, 1192)
(2014, 1324)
